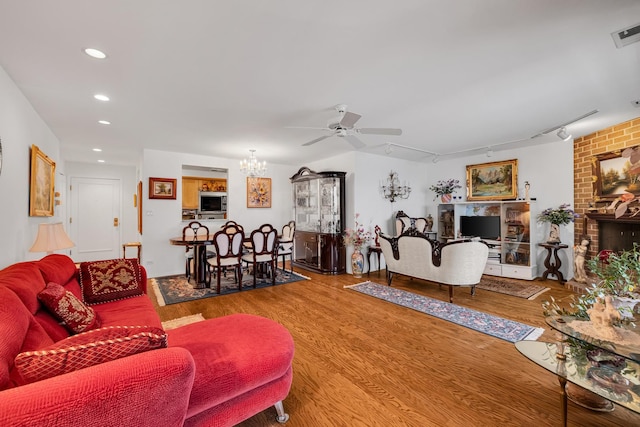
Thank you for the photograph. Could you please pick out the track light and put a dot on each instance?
(489, 152)
(388, 149)
(563, 135)
(435, 159)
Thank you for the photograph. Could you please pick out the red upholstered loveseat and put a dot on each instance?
(213, 373)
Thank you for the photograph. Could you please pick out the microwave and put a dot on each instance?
(210, 202)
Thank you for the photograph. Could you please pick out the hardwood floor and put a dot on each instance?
(361, 361)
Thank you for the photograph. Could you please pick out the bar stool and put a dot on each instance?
(137, 245)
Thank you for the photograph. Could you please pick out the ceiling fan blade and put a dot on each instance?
(353, 140)
(304, 127)
(313, 141)
(380, 131)
(349, 119)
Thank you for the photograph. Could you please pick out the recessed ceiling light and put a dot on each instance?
(100, 161)
(104, 122)
(95, 53)
(97, 149)
(101, 97)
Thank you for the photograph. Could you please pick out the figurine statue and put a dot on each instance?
(580, 251)
(429, 222)
(377, 233)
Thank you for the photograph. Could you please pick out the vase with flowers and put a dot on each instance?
(556, 217)
(358, 237)
(445, 188)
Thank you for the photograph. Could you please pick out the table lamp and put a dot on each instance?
(51, 237)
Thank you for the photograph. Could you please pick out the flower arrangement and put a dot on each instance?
(445, 187)
(356, 236)
(561, 215)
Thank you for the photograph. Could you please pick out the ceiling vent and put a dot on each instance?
(626, 36)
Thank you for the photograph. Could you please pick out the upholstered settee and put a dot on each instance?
(217, 372)
(458, 263)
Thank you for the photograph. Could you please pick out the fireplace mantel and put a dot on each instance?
(626, 218)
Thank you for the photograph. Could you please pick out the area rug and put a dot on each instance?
(489, 324)
(176, 289)
(181, 321)
(513, 287)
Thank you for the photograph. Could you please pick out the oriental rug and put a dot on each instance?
(176, 289)
(489, 324)
(514, 287)
(181, 321)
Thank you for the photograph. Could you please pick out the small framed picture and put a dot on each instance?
(162, 188)
(614, 173)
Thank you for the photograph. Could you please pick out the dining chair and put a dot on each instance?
(192, 231)
(228, 248)
(264, 251)
(285, 246)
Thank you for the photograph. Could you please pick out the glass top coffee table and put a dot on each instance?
(609, 369)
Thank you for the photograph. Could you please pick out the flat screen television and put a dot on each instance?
(485, 227)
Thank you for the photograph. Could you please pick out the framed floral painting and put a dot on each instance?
(258, 192)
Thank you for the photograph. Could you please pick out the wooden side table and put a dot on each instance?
(553, 267)
(373, 250)
(137, 245)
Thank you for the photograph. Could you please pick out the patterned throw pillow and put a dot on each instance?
(76, 316)
(88, 349)
(110, 280)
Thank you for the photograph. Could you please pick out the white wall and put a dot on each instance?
(162, 219)
(20, 127)
(549, 170)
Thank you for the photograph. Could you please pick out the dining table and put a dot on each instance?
(199, 244)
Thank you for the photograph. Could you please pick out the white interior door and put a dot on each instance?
(95, 218)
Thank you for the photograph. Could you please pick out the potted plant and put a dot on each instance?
(561, 215)
(444, 189)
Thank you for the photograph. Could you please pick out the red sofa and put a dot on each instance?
(217, 372)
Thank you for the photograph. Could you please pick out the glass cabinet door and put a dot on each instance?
(330, 205)
(306, 208)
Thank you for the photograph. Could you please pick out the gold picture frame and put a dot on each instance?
(162, 188)
(612, 176)
(41, 183)
(493, 181)
(258, 192)
(139, 206)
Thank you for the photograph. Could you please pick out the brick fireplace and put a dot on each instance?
(603, 229)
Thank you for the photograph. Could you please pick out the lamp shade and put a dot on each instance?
(51, 237)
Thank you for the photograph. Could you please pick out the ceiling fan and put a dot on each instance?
(344, 127)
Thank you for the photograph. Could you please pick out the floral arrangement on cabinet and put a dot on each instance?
(444, 188)
(357, 236)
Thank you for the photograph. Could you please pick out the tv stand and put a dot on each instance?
(514, 254)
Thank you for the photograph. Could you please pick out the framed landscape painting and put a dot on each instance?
(614, 173)
(162, 188)
(258, 192)
(42, 177)
(493, 181)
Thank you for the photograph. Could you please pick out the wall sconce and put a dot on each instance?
(392, 189)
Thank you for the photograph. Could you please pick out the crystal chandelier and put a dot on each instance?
(253, 167)
(392, 189)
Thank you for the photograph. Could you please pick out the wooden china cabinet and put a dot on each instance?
(318, 206)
